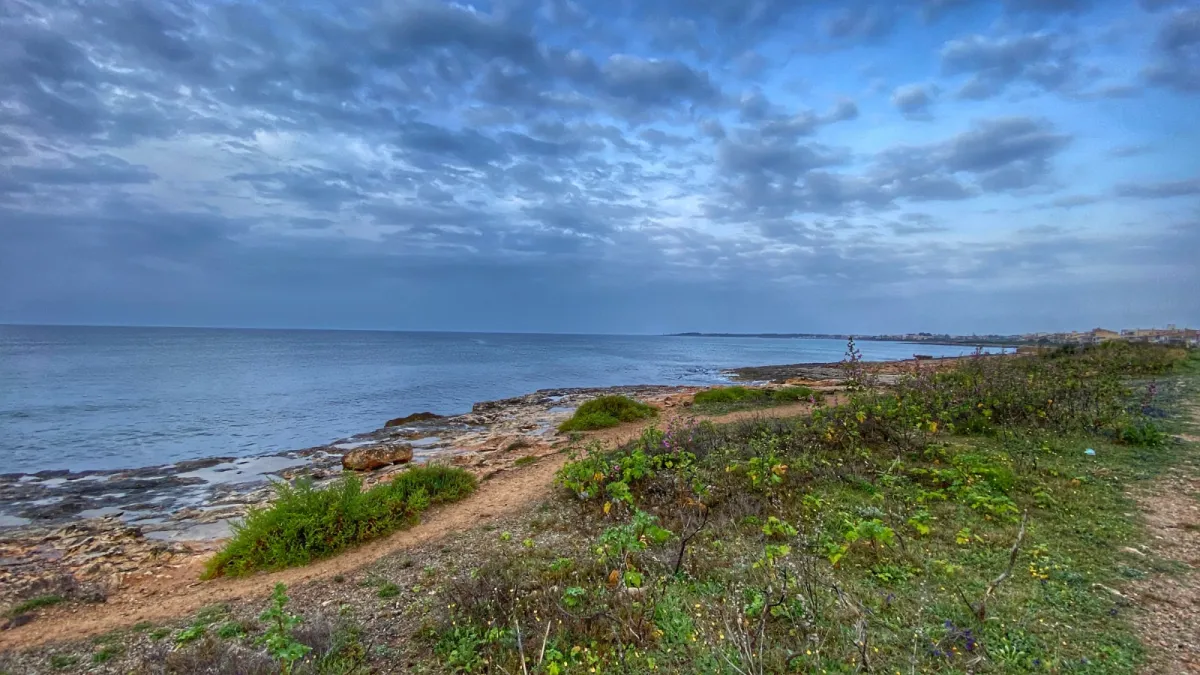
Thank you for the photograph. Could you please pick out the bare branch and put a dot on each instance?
(1012, 560)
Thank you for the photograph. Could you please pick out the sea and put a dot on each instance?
(80, 398)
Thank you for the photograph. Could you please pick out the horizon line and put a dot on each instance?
(690, 333)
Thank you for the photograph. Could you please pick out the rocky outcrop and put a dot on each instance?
(415, 417)
(377, 456)
(97, 553)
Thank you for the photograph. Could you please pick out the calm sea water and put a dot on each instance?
(102, 398)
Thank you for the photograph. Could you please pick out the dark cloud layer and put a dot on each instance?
(509, 164)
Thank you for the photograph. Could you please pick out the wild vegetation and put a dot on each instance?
(974, 520)
(726, 399)
(279, 642)
(968, 520)
(607, 411)
(305, 523)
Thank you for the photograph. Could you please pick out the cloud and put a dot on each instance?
(993, 64)
(656, 82)
(1158, 5)
(1074, 201)
(1177, 65)
(1161, 190)
(767, 175)
(932, 10)
(1049, 6)
(1129, 150)
(191, 161)
(860, 23)
(998, 155)
(99, 170)
(916, 223)
(914, 100)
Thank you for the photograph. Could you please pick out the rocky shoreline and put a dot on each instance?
(83, 533)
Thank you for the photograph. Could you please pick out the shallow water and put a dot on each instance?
(102, 398)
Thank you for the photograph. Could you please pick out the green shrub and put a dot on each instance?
(607, 411)
(722, 395)
(305, 523)
(738, 396)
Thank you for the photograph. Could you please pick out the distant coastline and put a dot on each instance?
(949, 341)
(1171, 335)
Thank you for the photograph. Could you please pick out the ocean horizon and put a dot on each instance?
(113, 397)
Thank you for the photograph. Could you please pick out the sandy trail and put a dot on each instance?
(1169, 623)
(180, 593)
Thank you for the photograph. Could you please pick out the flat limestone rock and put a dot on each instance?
(378, 456)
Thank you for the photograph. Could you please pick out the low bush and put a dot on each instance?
(607, 411)
(746, 397)
(305, 523)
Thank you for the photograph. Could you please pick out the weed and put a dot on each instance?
(231, 630)
(388, 590)
(279, 641)
(190, 634)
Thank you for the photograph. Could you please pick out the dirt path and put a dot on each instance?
(179, 593)
(1170, 620)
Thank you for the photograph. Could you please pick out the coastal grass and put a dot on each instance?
(955, 522)
(34, 603)
(727, 399)
(305, 523)
(607, 411)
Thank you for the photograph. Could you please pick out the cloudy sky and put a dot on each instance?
(615, 166)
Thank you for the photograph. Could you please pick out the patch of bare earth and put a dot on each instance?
(178, 592)
(1169, 624)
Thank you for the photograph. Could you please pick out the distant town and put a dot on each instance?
(1170, 335)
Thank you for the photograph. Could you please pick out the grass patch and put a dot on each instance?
(864, 537)
(726, 399)
(38, 602)
(107, 653)
(305, 523)
(63, 661)
(526, 460)
(607, 411)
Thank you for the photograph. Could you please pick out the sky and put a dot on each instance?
(621, 166)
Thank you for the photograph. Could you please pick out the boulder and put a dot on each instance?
(415, 417)
(377, 456)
